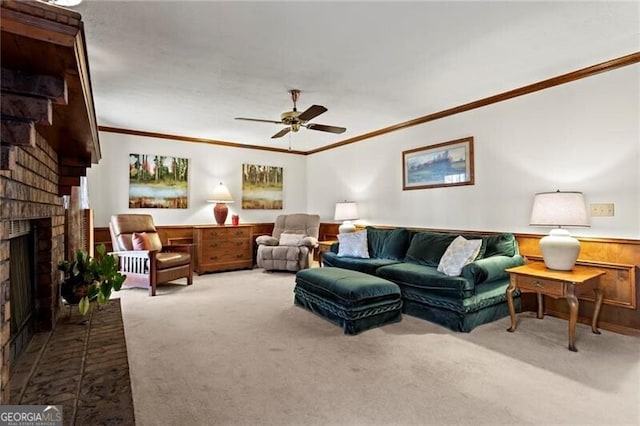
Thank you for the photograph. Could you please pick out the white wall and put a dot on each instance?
(582, 136)
(209, 164)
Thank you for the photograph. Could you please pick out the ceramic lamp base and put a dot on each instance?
(559, 250)
(346, 227)
(220, 212)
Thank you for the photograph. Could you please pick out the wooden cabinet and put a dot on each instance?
(223, 248)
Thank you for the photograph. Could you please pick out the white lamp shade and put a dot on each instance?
(559, 209)
(559, 249)
(221, 195)
(346, 211)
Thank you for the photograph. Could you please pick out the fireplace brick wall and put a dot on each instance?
(30, 192)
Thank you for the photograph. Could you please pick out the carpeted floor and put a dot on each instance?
(233, 350)
(81, 365)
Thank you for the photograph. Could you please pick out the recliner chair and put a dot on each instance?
(143, 258)
(291, 245)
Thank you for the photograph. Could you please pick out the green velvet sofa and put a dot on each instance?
(410, 259)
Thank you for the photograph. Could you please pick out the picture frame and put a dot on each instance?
(444, 164)
(158, 181)
(262, 187)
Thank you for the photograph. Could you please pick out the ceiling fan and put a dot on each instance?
(295, 119)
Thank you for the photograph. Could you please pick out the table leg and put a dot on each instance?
(572, 300)
(540, 306)
(512, 309)
(596, 311)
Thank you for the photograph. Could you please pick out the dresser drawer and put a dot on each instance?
(225, 233)
(209, 246)
(540, 285)
(225, 256)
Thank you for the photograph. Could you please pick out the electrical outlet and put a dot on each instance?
(602, 209)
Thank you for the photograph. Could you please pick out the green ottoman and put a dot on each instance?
(350, 299)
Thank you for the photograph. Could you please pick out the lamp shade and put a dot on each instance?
(559, 209)
(346, 211)
(559, 249)
(221, 195)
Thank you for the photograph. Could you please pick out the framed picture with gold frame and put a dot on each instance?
(434, 166)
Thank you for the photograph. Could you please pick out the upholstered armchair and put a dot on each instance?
(291, 245)
(143, 258)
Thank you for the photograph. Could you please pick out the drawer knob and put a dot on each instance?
(539, 284)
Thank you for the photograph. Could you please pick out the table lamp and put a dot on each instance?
(346, 211)
(221, 197)
(561, 208)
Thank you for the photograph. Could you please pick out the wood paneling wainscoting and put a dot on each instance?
(620, 258)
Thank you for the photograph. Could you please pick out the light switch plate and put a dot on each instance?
(602, 209)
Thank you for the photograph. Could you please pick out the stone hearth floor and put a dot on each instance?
(81, 365)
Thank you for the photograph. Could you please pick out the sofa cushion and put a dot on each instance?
(388, 243)
(427, 278)
(427, 248)
(353, 244)
(491, 268)
(459, 253)
(500, 245)
(368, 266)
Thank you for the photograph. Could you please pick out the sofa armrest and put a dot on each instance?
(491, 269)
(311, 242)
(135, 261)
(267, 240)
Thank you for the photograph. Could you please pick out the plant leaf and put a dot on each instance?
(102, 298)
(83, 306)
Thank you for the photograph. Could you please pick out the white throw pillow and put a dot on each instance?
(291, 239)
(459, 253)
(353, 244)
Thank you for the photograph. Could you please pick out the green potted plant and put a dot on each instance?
(88, 279)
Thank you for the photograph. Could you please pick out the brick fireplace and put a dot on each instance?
(49, 138)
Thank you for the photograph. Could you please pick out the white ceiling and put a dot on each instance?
(189, 67)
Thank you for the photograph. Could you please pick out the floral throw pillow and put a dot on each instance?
(459, 253)
(353, 244)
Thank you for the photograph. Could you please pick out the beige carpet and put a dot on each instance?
(233, 350)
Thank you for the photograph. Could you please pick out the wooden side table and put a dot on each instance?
(537, 278)
(323, 247)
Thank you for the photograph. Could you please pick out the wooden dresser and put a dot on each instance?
(223, 248)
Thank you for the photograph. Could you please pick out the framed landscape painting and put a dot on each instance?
(262, 187)
(157, 181)
(444, 164)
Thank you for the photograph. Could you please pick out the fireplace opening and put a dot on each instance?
(22, 255)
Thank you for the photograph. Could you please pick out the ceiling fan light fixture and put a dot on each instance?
(294, 119)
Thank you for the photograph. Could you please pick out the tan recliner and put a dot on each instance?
(291, 245)
(148, 268)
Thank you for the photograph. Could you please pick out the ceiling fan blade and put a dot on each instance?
(259, 119)
(312, 112)
(325, 128)
(281, 133)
